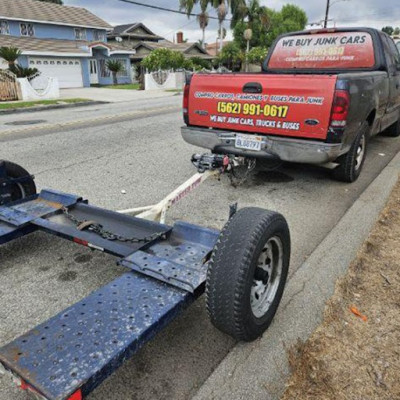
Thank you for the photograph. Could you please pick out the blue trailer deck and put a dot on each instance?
(69, 355)
(167, 268)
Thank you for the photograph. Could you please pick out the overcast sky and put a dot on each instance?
(375, 13)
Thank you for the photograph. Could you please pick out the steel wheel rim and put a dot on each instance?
(360, 153)
(266, 277)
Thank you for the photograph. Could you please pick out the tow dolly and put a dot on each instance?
(242, 270)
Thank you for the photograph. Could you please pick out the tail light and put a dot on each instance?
(340, 109)
(186, 91)
(186, 103)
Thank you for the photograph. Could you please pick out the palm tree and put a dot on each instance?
(221, 6)
(250, 11)
(10, 54)
(222, 11)
(203, 19)
(115, 66)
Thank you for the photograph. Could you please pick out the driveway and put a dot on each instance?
(145, 157)
(112, 95)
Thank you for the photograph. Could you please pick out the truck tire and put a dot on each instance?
(393, 130)
(19, 190)
(351, 163)
(247, 273)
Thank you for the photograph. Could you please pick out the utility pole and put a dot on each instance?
(327, 13)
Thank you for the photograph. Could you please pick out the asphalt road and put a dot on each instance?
(41, 275)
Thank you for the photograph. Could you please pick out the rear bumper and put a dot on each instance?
(286, 149)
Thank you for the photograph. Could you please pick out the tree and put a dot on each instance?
(396, 31)
(60, 2)
(221, 6)
(115, 66)
(251, 12)
(203, 19)
(388, 29)
(22, 72)
(231, 56)
(164, 59)
(269, 24)
(199, 63)
(10, 54)
(257, 55)
(224, 33)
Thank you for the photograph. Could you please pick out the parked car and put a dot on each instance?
(321, 96)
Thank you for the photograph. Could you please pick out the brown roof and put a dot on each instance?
(48, 46)
(128, 30)
(182, 47)
(33, 10)
(213, 48)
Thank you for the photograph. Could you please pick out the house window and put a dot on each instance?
(99, 36)
(27, 29)
(80, 34)
(4, 28)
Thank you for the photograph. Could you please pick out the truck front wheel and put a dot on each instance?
(351, 163)
(247, 273)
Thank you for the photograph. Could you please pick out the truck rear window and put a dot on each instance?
(340, 50)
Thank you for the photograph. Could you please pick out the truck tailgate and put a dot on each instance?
(286, 105)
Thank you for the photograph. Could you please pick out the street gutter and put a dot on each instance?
(259, 370)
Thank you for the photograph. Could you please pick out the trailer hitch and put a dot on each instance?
(210, 162)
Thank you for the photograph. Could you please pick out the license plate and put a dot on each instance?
(248, 142)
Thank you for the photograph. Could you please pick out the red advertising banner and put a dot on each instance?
(324, 50)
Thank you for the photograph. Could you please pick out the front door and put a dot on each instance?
(94, 76)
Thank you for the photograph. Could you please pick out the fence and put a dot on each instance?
(9, 86)
(164, 80)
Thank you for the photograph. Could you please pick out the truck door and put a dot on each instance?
(393, 62)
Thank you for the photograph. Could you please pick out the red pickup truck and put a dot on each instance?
(321, 96)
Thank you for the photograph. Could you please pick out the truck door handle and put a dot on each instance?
(252, 87)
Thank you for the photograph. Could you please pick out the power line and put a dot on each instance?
(154, 7)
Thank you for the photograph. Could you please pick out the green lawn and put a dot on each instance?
(174, 90)
(26, 104)
(129, 86)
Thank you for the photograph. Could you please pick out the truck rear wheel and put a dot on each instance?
(247, 273)
(18, 190)
(351, 163)
(393, 131)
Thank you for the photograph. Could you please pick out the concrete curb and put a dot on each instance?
(259, 370)
(51, 107)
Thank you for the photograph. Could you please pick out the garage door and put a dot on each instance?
(67, 70)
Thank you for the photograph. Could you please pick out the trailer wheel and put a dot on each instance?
(247, 273)
(19, 190)
(351, 163)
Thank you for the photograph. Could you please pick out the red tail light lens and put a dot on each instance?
(340, 108)
(186, 103)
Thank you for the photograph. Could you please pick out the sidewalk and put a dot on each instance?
(113, 95)
(259, 370)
